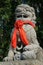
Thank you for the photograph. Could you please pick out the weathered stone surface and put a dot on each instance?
(22, 62)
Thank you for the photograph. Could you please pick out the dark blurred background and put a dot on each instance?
(7, 19)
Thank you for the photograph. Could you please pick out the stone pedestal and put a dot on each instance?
(22, 62)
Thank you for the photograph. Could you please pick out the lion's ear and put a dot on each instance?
(33, 13)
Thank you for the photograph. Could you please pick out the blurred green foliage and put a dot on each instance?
(7, 15)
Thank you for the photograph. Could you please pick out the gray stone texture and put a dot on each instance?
(23, 62)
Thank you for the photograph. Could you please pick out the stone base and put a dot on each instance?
(22, 62)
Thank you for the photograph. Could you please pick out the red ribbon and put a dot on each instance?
(18, 27)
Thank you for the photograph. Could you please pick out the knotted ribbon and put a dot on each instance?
(18, 27)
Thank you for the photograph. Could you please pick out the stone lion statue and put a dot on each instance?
(26, 46)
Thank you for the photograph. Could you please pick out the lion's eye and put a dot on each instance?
(33, 15)
(19, 16)
(25, 16)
